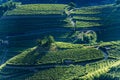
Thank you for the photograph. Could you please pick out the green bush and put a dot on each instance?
(87, 37)
(46, 41)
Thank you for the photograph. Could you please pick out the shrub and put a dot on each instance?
(46, 41)
(85, 37)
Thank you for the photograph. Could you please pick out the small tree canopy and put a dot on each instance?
(51, 39)
(46, 41)
(85, 37)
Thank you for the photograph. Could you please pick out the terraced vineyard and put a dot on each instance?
(37, 9)
(114, 73)
(26, 53)
(74, 55)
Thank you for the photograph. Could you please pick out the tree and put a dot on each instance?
(39, 42)
(51, 39)
(87, 37)
(46, 41)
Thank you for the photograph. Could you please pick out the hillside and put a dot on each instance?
(51, 42)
